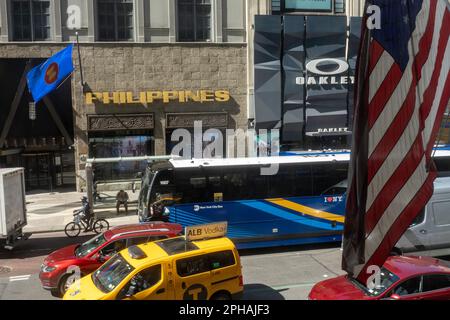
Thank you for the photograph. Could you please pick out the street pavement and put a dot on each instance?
(269, 274)
(48, 212)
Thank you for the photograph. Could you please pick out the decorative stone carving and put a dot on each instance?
(186, 120)
(120, 122)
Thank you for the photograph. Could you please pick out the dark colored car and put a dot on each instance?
(402, 278)
(58, 267)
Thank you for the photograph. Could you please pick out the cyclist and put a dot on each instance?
(87, 214)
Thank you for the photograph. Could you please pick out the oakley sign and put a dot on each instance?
(324, 76)
(313, 66)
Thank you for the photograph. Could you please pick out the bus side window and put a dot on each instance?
(327, 175)
(304, 181)
(258, 185)
(234, 183)
(192, 185)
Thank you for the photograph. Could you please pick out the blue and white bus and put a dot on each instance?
(300, 204)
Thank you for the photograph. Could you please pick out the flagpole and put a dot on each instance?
(79, 59)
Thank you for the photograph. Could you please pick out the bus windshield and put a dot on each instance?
(145, 188)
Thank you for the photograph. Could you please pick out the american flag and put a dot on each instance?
(403, 90)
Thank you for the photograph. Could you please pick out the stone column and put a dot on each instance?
(91, 21)
(172, 21)
(140, 21)
(57, 21)
(217, 19)
(3, 21)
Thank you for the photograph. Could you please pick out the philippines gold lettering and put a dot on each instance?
(90, 98)
(154, 95)
(222, 96)
(194, 97)
(182, 96)
(131, 98)
(207, 95)
(107, 98)
(169, 95)
(143, 97)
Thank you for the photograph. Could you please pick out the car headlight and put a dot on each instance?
(46, 269)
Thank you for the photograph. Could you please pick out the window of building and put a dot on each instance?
(333, 6)
(111, 145)
(276, 6)
(194, 20)
(339, 6)
(30, 20)
(115, 20)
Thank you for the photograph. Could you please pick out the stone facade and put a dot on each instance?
(112, 67)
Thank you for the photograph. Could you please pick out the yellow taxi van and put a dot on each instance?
(197, 266)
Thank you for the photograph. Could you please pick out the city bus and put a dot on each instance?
(297, 205)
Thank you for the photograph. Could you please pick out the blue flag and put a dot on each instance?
(47, 76)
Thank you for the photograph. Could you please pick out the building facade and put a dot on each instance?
(148, 68)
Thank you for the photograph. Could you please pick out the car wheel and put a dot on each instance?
(55, 293)
(221, 296)
(64, 284)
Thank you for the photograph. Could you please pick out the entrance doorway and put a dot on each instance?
(48, 171)
(38, 173)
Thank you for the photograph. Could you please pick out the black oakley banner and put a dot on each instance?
(326, 78)
(267, 60)
(315, 69)
(293, 66)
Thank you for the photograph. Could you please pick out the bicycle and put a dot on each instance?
(73, 229)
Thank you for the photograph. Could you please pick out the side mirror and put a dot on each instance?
(395, 297)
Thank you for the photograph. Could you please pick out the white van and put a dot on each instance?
(429, 234)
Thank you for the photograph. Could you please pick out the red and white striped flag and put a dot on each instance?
(403, 90)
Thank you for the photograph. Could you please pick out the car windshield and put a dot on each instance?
(111, 274)
(89, 246)
(387, 279)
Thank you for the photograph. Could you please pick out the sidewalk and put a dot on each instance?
(49, 212)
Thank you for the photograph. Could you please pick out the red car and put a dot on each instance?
(89, 256)
(402, 278)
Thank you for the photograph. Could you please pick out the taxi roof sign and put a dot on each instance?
(206, 231)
